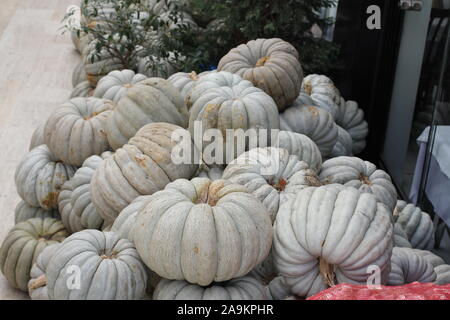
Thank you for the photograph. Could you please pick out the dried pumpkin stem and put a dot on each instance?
(193, 75)
(327, 272)
(39, 283)
(262, 61)
(364, 179)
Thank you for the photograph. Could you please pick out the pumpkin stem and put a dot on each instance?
(307, 88)
(262, 61)
(281, 185)
(313, 180)
(365, 179)
(127, 85)
(193, 75)
(327, 272)
(40, 282)
(213, 191)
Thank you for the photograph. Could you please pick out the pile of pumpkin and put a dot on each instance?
(107, 214)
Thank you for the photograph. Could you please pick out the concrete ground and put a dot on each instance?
(36, 64)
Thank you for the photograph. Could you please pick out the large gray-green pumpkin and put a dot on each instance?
(115, 85)
(76, 130)
(109, 268)
(203, 231)
(78, 74)
(319, 86)
(400, 237)
(184, 81)
(408, 266)
(360, 174)
(37, 286)
(270, 173)
(301, 146)
(40, 176)
(84, 89)
(244, 288)
(416, 223)
(441, 269)
(124, 223)
(24, 212)
(329, 235)
(141, 167)
(270, 64)
(223, 101)
(351, 118)
(74, 201)
(313, 122)
(149, 101)
(344, 144)
(23, 244)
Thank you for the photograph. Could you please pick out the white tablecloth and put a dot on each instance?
(438, 183)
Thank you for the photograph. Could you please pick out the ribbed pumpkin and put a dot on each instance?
(269, 173)
(351, 118)
(149, 101)
(441, 269)
(222, 100)
(408, 266)
(24, 212)
(400, 237)
(363, 175)
(278, 289)
(319, 87)
(78, 74)
(74, 201)
(115, 85)
(184, 81)
(83, 89)
(417, 225)
(270, 64)
(76, 130)
(313, 122)
(244, 288)
(38, 137)
(329, 235)
(124, 223)
(203, 231)
(323, 102)
(37, 286)
(344, 144)
(40, 176)
(23, 244)
(141, 167)
(110, 268)
(301, 146)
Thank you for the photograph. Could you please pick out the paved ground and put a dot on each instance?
(36, 64)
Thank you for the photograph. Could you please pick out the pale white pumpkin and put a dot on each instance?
(301, 146)
(278, 289)
(363, 175)
(244, 288)
(149, 101)
(224, 101)
(37, 286)
(417, 225)
(269, 173)
(203, 231)
(400, 237)
(319, 87)
(184, 81)
(83, 89)
(329, 235)
(40, 176)
(408, 266)
(441, 269)
(24, 212)
(313, 122)
(38, 137)
(22, 245)
(271, 65)
(141, 167)
(110, 268)
(351, 118)
(74, 201)
(116, 84)
(124, 223)
(76, 130)
(78, 74)
(344, 144)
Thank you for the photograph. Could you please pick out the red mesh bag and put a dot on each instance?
(412, 291)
